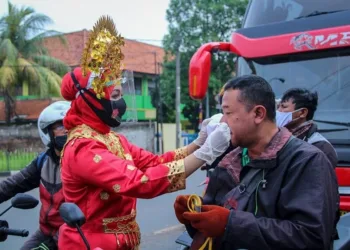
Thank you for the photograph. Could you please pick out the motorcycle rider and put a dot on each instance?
(43, 173)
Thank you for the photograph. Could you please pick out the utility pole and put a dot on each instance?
(178, 88)
(155, 79)
(207, 105)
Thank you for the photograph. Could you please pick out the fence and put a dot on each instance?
(16, 160)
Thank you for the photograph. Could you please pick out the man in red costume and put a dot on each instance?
(102, 172)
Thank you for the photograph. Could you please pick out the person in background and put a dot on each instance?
(296, 112)
(43, 173)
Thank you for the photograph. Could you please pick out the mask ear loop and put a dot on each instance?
(81, 91)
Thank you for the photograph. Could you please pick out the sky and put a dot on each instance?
(135, 19)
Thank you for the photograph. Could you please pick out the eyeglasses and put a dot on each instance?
(59, 128)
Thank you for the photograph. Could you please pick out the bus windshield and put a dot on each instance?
(328, 73)
(261, 12)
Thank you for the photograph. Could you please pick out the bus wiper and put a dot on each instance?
(346, 124)
(332, 130)
(318, 13)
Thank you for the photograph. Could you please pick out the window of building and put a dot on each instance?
(138, 85)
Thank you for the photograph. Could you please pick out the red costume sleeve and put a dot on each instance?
(92, 163)
(144, 159)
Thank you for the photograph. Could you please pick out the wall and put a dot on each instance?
(169, 140)
(27, 136)
(140, 134)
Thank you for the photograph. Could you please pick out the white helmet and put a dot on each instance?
(53, 113)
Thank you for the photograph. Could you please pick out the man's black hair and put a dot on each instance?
(255, 90)
(302, 98)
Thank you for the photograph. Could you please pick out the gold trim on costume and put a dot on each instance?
(144, 179)
(116, 188)
(104, 195)
(97, 158)
(131, 167)
(176, 175)
(128, 157)
(102, 55)
(126, 226)
(110, 140)
(180, 153)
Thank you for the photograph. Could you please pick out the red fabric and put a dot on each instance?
(80, 112)
(90, 174)
(50, 219)
(211, 221)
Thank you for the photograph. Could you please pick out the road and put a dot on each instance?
(156, 218)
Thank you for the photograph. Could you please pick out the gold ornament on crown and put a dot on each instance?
(102, 55)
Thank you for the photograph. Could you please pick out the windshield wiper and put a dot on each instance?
(318, 13)
(331, 130)
(346, 124)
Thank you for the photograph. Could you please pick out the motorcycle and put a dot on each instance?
(74, 218)
(20, 201)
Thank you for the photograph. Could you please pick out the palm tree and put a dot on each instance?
(24, 60)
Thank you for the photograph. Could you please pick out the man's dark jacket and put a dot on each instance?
(297, 209)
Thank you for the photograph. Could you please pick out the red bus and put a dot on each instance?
(295, 43)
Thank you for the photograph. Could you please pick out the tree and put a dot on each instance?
(24, 61)
(197, 22)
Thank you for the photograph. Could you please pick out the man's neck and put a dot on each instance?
(264, 137)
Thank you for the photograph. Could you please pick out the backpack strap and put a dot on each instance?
(248, 185)
(40, 160)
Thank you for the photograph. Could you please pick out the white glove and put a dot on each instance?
(215, 145)
(203, 134)
(214, 123)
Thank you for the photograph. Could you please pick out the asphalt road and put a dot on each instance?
(156, 218)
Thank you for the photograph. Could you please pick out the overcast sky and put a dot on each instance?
(134, 19)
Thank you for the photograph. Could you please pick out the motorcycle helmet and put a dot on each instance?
(53, 113)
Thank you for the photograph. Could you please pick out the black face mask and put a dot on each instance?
(118, 107)
(59, 142)
(105, 114)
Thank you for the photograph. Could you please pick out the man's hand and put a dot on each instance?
(211, 221)
(180, 207)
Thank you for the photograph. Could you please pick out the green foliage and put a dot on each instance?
(11, 161)
(23, 56)
(197, 22)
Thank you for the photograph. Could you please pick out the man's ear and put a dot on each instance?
(259, 113)
(304, 112)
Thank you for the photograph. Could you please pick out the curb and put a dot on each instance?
(7, 173)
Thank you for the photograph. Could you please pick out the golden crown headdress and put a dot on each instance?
(102, 55)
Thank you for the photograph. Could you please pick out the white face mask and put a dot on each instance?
(283, 118)
(214, 123)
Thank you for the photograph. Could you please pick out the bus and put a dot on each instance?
(295, 43)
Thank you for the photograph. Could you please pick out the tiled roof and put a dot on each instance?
(27, 109)
(139, 57)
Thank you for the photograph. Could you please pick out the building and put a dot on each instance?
(143, 59)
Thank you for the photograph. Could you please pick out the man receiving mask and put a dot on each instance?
(296, 112)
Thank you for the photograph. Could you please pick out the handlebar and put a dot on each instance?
(14, 232)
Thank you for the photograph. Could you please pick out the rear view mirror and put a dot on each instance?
(74, 218)
(199, 72)
(72, 215)
(24, 201)
(200, 66)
